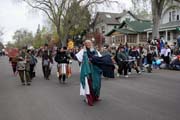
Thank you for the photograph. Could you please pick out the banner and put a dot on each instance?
(13, 52)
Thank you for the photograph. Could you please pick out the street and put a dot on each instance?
(150, 96)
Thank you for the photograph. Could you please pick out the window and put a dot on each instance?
(175, 34)
(125, 26)
(131, 38)
(177, 17)
(113, 39)
(173, 15)
(143, 37)
(108, 15)
(128, 19)
(103, 29)
(169, 36)
(97, 29)
(169, 16)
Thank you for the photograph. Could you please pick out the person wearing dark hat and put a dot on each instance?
(46, 61)
(122, 58)
(62, 59)
(33, 62)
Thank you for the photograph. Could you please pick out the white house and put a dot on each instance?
(169, 24)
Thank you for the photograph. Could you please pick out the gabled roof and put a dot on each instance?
(122, 31)
(136, 27)
(108, 18)
(113, 18)
(140, 18)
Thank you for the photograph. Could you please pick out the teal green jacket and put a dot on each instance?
(90, 71)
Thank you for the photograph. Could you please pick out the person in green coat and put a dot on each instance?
(90, 74)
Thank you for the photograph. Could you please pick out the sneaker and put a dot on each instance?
(28, 84)
(143, 70)
(126, 76)
(117, 75)
(139, 72)
(129, 73)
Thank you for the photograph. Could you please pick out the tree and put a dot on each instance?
(10, 45)
(56, 9)
(157, 9)
(22, 38)
(76, 20)
(39, 39)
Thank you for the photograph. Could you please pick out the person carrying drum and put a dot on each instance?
(62, 59)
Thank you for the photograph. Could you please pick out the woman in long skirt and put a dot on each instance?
(90, 76)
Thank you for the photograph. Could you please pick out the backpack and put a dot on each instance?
(33, 60)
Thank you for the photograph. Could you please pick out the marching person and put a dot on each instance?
(13, 61)
(62, 59)
(90, 76)
(33, 62)
(134, 54)
(46, 61)
(122, 57)
(23, 67)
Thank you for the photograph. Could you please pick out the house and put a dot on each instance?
(131, 29)
(131, 32)
(169, 24)
(104, 22)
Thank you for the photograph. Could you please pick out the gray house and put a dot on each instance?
(105, 22)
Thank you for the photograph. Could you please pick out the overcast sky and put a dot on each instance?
(14, 16)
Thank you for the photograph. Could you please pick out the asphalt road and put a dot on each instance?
(154, 96)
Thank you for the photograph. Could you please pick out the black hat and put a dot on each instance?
(65, 48)
(45, 44)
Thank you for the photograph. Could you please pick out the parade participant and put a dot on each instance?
(134, 54)
(33, 62)
(90, 77)
(21, 69)
(13, 61)
(27, 67)
(62, 59)
(46, 61)
(122, 57)
(24, 67)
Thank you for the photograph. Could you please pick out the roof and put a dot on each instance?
(108, 18)
(123, 31)
(113, 18)
(173, 24)
(137, 17)
(170, 24)
(136, 26)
